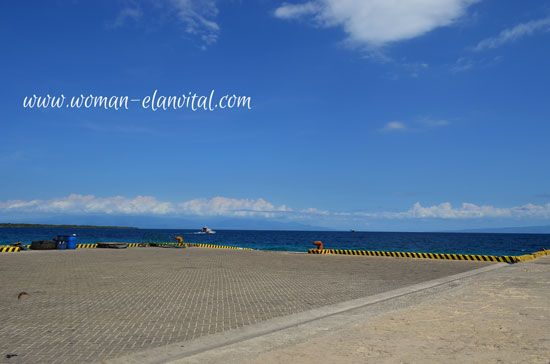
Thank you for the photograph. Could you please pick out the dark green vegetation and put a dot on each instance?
(16, 225)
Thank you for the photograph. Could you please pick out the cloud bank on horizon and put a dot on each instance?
(257, 208)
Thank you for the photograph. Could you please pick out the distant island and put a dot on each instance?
(16, 225)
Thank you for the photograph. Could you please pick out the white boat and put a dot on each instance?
(206, 230)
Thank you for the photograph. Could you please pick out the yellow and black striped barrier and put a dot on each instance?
(511, 259)
(92, 246)
(86, 246)
(9, 249)
(541, 253)
(136, 245)
(166, 244)
(217, 246)
(535, 255)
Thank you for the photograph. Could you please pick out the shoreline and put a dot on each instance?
(449, 243)
(510, 259)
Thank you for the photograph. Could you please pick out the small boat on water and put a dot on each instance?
(206, 230)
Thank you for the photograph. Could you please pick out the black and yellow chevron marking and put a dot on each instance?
(541, 253)
(91, 246)
(136, 245)
(217, 246)
(86, 246)
(510, 259)
(535, 255)
(9, 249)
(167, 244)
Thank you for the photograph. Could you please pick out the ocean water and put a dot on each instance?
(300, 241)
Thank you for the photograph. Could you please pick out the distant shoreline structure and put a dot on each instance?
(17, 225)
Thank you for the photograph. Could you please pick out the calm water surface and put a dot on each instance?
(466, 243)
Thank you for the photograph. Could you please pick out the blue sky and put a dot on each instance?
(419, 115)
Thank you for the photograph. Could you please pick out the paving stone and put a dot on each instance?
(88, 305)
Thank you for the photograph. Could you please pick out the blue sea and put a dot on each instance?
(301, 241)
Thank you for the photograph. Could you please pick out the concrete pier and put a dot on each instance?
(92, 305)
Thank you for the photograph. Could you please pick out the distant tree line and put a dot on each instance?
(16, 225)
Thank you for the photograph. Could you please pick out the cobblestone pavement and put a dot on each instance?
(499, 317)
(87, 305)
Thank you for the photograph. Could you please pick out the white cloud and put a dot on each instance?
(415, 68)
(466, 211)
(128, 13)
(199, 18)
(462, 64)
(512, 34)
(375, 23)
(145, 205)
(76, 203)
(394, 126)
(223, 206)
(293, 11)
(312, 211)
(259, 208)
(418, 125)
